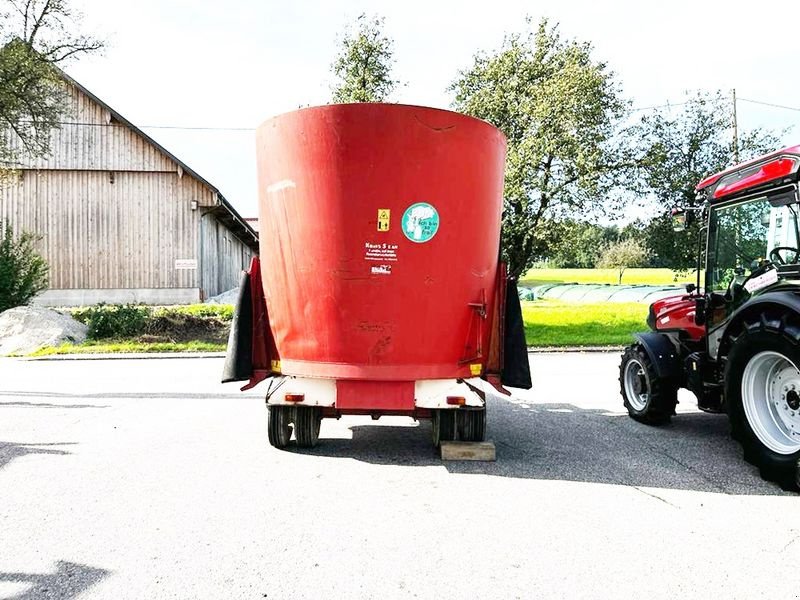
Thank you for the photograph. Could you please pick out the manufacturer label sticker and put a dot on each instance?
(380, 252)
(420, 222)
(384, 214)
(762, 281)
(476, 369)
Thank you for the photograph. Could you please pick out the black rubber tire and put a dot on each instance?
(443, 426)
(662, 396)
(472, 425)
(279, 430)
(778, 335)
(307, 420)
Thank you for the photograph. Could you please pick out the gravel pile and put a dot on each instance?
(25, 329)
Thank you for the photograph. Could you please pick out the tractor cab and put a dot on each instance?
(752, 232)
(734, 338)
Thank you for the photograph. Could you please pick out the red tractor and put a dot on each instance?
(735, 342)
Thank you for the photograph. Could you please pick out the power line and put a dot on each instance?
(196, 128)
(738, 99)
(668, 105)
(769, 104)
(251, 129)
(82, 124)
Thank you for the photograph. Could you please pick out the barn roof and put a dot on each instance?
(223, 210)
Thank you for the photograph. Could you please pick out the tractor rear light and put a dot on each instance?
(456, 400)
(294, 397)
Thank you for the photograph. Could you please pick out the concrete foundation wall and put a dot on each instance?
(157, 296)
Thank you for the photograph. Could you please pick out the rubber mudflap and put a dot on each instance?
(516, 369)
(239, 356)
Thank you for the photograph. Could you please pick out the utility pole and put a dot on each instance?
(735, 131)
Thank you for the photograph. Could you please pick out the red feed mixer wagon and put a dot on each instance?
(378, 290)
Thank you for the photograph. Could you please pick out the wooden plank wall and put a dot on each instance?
(224, 257)
(115, 212)
(89, 139)
(103, 234)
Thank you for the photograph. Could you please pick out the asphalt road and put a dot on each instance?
(146, 479)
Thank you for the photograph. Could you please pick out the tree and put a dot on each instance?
(559, 109)
(23, 272)
(577, 245)
(622, 255)
(363, 67)
(681, 149)
(36, 35)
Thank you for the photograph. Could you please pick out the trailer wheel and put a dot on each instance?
(307, 421)
(472, 425)
(648, 398)
(762, 390)
(443, 426)
(279, 431)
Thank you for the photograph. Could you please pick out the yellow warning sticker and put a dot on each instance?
(476, 369)
(276, 366)
(383, 219)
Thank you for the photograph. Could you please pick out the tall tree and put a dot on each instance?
(559, 109)
(36, 35)
(578, 244)
(681, 148)
(363, 66)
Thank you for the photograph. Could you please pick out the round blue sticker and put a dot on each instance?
(420, 222)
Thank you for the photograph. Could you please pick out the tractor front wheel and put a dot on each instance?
(762, 391)
(648, 398)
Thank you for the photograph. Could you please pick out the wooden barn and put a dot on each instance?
(121, 218)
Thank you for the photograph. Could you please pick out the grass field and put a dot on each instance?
(553, 323)
(548, 323)
(630, 277)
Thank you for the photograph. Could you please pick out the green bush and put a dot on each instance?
(113, 320)
(178, 323)
(23, 272)
(224, 312)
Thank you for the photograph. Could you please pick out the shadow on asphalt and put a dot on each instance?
(567, 443)
(11, 450)
(67, 582)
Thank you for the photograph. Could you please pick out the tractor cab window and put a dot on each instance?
(743, 236)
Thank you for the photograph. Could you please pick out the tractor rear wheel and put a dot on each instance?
(762, 391)
(307, 420)
(648, 398)
(279, 431)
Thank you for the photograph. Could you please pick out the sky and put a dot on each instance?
(204, 63)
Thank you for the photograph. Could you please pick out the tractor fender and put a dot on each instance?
(783, 300)
(662, 353)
